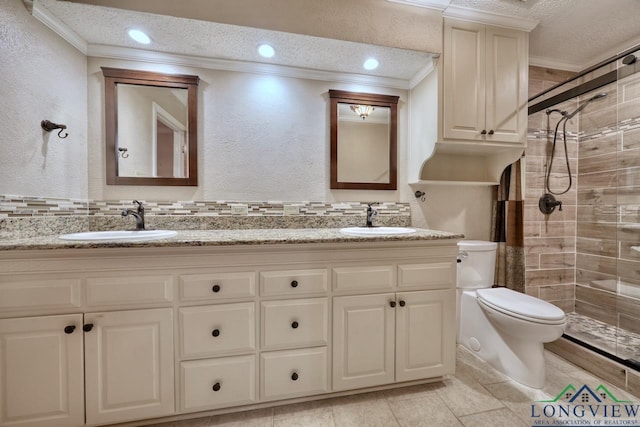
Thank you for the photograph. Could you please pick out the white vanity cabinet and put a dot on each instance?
(485, 85)
(42, 371)
(93, 337)
(389, 337)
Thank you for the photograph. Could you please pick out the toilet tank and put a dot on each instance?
(476, 268)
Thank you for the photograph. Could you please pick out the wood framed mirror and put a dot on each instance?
(363, 141)
(151, 128)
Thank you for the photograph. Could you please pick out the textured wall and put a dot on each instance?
(43, 77)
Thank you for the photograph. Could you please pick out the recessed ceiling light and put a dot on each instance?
(266, 50)
(139, 36)
(371, 64)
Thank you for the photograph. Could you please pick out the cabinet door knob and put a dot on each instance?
(69, 329)
(392, 304)
(216, 387)
(88, 327)
(215, 332)
(402, 303)
(216, 288)
(294, 376)
(294, 325)
(491, 132)
(484, 132)
(294, 283)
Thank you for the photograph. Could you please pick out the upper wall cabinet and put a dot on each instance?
(484, 83)
(482, 95)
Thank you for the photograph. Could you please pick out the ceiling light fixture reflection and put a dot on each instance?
(139, 36)
(266, 50)
(362, 110)
(371, 64)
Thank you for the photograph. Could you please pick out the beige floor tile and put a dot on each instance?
(194, 422)
(412, 392)
(256, 418)
(368, 410)
(320, 419)
(496, 418)
(464, 395)
(425, 411)
(304, 409)
(481, 371)
(518, 398)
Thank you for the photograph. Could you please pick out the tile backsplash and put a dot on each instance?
(31, 216)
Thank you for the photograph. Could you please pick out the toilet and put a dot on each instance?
(505, 328)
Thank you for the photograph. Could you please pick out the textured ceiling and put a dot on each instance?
(575, 33)
(572, 34)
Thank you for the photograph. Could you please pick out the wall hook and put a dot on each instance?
(49, 126)
(421, 195)
(123, 152)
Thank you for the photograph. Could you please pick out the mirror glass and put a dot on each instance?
(363, 141)
(150, 128)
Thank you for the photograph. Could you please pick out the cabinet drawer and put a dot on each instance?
(293, 373)
(363, 278)
(294, 323)
(437, 275)
(127, 290)
(216, 383)
(217, 329)
(293, 282)
(217, 286)
(40, 294)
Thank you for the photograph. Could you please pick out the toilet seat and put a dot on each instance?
(521, 306)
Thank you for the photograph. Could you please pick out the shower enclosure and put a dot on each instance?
(584, 256)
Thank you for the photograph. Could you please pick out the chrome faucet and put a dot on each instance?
(138, 214)
(371, 213)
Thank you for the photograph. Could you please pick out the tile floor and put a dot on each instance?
(477, 395)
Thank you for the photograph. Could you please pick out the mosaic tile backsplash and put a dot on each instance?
(29, 216)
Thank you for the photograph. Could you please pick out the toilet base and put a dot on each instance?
(521, 360)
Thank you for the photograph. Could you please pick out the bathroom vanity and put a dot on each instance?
(218, 321)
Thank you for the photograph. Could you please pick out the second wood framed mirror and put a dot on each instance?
(363, 141)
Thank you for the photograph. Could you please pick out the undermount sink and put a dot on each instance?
(376, 231)
(120, 235)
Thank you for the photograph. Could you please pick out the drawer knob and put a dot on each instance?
(215, 332)
(392, 304)
(216, 387)
(69, 329)
(294, 376)
(216, 288)
(491, 132)
(294, 283)
(402, 303)
(294, 325)
(88, 327)
(484, 132)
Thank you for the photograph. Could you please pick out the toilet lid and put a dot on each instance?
(520, 305)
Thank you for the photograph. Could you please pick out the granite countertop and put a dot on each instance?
(224, 238)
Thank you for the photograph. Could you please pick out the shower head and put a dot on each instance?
(587, 102)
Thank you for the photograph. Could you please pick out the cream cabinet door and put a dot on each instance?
(129, 365)
(425, 334)
(41, 371)
(464, 81)
(507, 85)
(363, 340)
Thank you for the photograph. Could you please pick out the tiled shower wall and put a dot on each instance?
(582, 259)
(549, 241)
(608, 215)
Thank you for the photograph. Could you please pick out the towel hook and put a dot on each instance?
(123, 152)
(49, 126)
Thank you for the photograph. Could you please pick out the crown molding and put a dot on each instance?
(129, 54)
(427, 4)
(540, 61)
(490, 18)
(421, 74)
(57, 26)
